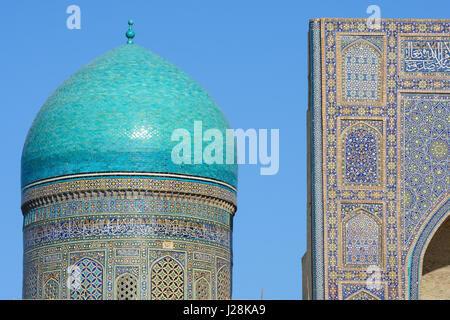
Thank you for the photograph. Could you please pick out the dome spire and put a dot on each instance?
(130, 32)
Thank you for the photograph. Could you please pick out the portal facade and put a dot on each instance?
(378, 118)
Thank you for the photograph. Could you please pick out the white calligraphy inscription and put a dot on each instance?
(431, 56)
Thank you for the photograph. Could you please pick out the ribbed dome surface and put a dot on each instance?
(117, 114)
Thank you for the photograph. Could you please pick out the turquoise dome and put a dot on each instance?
(117, 114)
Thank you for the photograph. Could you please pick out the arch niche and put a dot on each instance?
(429, 272)
(435, 282)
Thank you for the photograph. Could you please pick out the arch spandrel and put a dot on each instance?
(420, 245)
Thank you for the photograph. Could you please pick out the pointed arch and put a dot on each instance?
(224, 283)
(416, 255)
(360, 66)
(202, 289)
(367, 125)
(167, 279)
(362, 240)
(361, 156)
(359, 42)
(435, 273)
(87, 280)
(127, 287)
(51, 290)
(30, 280)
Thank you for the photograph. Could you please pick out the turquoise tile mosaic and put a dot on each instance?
(117, 114)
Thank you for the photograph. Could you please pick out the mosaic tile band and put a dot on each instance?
(123, 184)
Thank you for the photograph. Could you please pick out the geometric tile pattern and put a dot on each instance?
(189, 254)
(223, 284)
(127, 287)
(202, 289)
(30, 280)
(426, 161)
(361, 70)
(361, 156)
(51, 290)
(361, 291)
(375, 208)
(129, 239)
(121, 270)
(87, 280)
(362, 295)
(167, 277)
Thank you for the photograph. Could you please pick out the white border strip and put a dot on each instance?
(317, 184)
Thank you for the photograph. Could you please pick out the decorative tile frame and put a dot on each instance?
(380, 149)
(177, 255)
(36, 258)
(339, 68)
(223, 266)
(97, 256)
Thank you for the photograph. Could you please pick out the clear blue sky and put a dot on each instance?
(251, 56)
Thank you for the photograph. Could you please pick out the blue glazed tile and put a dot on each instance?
(117, 114)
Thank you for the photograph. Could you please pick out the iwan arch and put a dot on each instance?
(378, 203)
